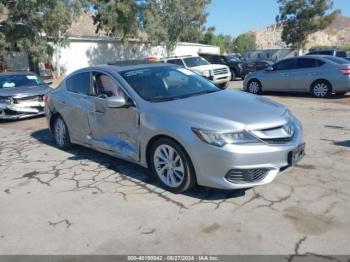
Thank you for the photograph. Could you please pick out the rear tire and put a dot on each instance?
(254, 87)
(61, 134)
(321, 89)
(171, 166)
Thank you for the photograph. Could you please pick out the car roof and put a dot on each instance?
(21, 73)
(123, 66)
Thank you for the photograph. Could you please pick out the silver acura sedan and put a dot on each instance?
(175, 122)
(320, 75)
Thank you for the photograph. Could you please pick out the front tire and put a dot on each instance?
(171, 166)
(61, 134)
(224, 85)
(321, 89)
(254, 87)
(233, 75)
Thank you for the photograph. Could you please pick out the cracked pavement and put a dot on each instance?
(84, 202)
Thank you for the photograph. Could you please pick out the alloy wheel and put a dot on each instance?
(253, 87)
(320, 90)
(169, 166)
(60, 132)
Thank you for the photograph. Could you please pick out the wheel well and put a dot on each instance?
(156, 138)
(321, 80)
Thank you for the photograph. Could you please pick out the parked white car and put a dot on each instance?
(220, 75)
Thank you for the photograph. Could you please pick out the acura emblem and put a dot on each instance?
(289, 130)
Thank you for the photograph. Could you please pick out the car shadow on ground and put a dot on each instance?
(304, 95)
(345, 143)
(133, 170)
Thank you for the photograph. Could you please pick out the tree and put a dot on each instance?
(169, 21)
(225, 42)
(245, 42)
(35, 26)
(116, 18)
(300, 18)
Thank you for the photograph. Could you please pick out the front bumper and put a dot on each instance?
(212, 163)
(21, 111)
(220, 79)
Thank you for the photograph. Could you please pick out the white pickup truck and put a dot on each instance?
(220, 75)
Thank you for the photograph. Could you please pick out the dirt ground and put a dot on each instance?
(84, 202)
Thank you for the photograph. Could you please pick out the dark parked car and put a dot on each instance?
(234, 62)
(256, 65)
(332, 52)
(21, 95)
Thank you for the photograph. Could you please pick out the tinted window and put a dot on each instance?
(337, 60)
(285, 65)
(210, 58)
(176, 62)
(341, 54)
(13, 81)
(308, 63)
(79, 83)
(326, 52)
(158, 84)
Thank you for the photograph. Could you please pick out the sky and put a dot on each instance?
(233, 17)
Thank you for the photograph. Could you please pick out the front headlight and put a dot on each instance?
(6, 100)
(206, 73)
(221, 139)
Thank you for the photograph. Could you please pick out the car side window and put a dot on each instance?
(306, 63)
(79, 83)
(105, 86)
(176, 62)
(285, 65)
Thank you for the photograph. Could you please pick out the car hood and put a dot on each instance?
(26, 91)
(226, 110)
(207, 67)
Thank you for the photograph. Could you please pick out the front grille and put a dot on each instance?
(220, 71)
(29, 99)
(282, 140)
(242, 176)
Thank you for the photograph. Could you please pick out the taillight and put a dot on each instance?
(345, 71)
(45, 98)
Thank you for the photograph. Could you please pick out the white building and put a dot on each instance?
(86, 48)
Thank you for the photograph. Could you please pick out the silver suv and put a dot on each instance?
(218, 74)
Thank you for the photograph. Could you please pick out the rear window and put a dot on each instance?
(337, 60)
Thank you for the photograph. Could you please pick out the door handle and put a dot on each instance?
(285, 75)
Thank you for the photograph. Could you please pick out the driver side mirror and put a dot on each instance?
(117, 102)
(269, 69)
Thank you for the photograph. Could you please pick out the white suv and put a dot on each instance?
(220, 75)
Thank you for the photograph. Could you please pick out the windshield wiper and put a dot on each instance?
(163, 99)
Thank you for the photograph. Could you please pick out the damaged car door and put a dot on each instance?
(74, 107)
(113, 119)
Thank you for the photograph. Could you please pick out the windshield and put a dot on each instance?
(13, 81)
(233, 59)
(195, 61)
(337, 60)
(158, 84)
